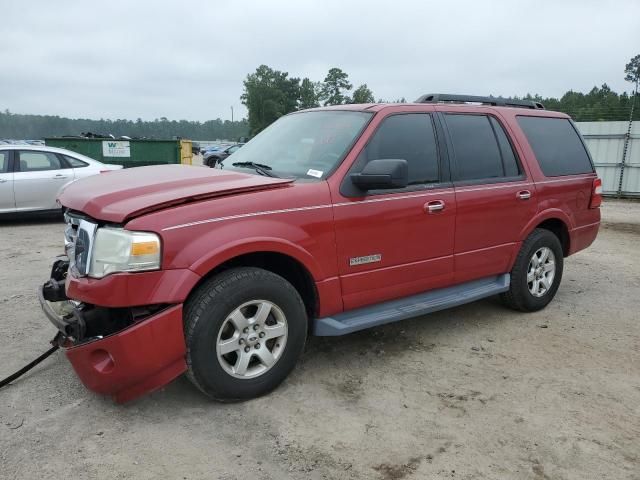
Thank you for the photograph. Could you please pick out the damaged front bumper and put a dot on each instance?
(121, 352)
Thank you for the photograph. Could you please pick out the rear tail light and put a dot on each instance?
(596, 194)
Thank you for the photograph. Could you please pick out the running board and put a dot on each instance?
(413, 306)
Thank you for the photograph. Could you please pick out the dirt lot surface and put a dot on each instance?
(474, 392)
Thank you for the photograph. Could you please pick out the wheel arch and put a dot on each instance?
(557, 222)
(290, 265)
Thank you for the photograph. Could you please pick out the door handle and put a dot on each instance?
(524, 195)
(60, 177)
(434, 206)
(3, 180)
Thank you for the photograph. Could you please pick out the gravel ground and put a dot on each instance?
(474, 392)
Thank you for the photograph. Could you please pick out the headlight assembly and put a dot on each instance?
(118, 250)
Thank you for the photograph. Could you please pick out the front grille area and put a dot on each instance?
(78, 239)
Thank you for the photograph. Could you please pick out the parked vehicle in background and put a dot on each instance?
(31, 177)
(330, 221)
(213, 158)
(212, 148)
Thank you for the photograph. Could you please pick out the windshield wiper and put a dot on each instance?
(261, 168)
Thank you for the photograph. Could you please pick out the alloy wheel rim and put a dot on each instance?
(252, 339)
(541, 271)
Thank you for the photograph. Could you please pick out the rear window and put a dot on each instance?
(557, 146)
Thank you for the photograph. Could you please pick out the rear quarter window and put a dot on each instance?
(74, 162)
(556, 145)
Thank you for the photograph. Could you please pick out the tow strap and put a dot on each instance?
(26, 368)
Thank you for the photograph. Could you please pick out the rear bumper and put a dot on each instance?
(135, 361)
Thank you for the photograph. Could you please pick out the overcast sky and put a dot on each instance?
(187, 59)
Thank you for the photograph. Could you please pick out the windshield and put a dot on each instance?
(303, 145)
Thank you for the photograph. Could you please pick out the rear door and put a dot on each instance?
(390, 243)
(38, 178)
(7, 200)
(564, 172)
(495, 197)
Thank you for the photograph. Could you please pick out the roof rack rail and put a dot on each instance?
(494, 101)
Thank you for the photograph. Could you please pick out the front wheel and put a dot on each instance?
(245, 329)
(536, 273)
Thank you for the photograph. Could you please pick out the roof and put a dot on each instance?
(376, 107)
(46, 148)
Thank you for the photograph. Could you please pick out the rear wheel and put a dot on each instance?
(536, 273)
(245, 329)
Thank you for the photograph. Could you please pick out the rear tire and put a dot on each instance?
(245, 330)
(536, 273)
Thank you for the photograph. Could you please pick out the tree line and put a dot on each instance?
(268, 94)
(20, 126)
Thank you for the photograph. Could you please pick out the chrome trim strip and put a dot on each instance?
(494, 187)
(372, 200)
(586, 226)
(299, 209)
(244, 215)
(375, 200)
(565, 180)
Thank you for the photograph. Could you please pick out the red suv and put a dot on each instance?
(330, 221)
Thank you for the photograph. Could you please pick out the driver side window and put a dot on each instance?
(409, 137)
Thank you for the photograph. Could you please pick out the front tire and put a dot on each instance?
(245, 330)
(536, 273)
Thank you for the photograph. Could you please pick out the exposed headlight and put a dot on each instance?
(118, 250)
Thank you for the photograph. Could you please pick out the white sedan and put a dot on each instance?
(31, 176)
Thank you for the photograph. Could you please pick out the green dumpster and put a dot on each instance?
(129, 153)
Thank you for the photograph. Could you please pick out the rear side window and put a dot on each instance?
(409, 137)
(74, 162)
(475, 147)
(38, 161)
(557, 146)
(4, 161)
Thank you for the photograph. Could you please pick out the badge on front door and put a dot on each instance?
(366, 259)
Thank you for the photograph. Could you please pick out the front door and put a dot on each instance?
(7, 201)
(38, 179)
(392, 244)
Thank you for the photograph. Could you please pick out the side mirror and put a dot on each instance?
(381, 174)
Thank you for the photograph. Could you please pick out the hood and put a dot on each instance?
(121, 195)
